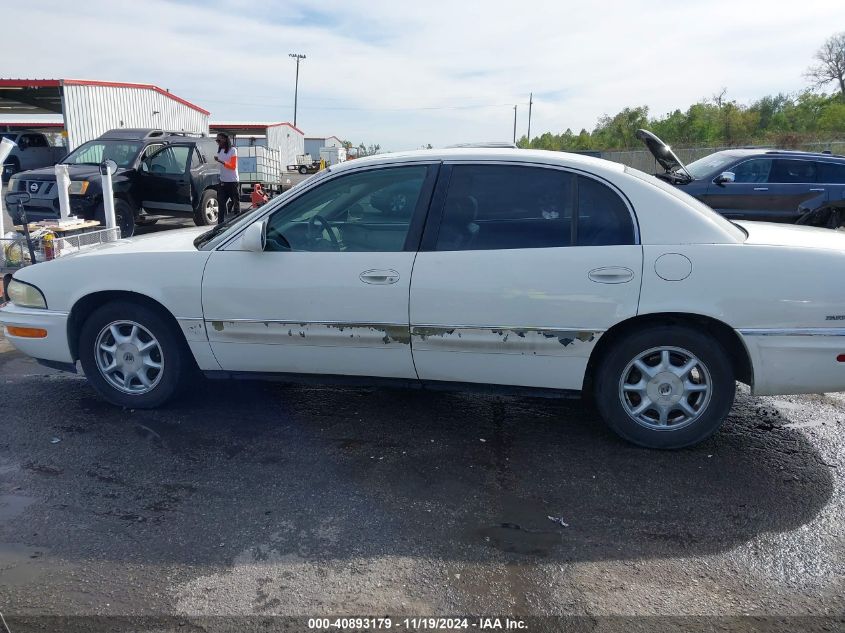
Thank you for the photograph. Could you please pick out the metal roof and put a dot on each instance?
(247, 128)
(44, 96)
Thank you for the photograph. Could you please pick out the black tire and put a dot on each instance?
(711, 412)
(303, 169)
(177, 366)
(203, 214)
(124, 216)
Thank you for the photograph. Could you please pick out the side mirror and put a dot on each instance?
(725, 176)
(255, 237)
(109, 165)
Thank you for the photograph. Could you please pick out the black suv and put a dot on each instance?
(759, 184)
(158, 172)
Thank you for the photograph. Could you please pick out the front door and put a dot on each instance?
(529, 266)
(329, 295)
(164, 179)
(769, 189)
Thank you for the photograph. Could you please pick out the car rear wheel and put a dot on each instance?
(132, 355)
(207, 211)
(303, 169)
(665, 387)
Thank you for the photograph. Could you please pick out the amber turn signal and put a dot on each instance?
(26, 332)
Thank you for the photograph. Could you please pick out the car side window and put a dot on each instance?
(171, 160)
(754, 170)
(831, 173)
(196, 162)
(793, 171)
(505, 207)
(367, 211)
(35, 140)
(603, 217)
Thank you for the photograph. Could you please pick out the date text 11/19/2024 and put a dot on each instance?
(416, 624)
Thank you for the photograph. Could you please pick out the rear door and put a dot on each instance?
(522, 268)
(794, 183)
(164, 178)
(831, 178)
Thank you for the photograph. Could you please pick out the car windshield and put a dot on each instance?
(210, 239)
(95, 152)
(712, 164)
(687, 199)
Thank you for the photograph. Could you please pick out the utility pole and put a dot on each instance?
(514, 125)
(297, 57)
(530, 103)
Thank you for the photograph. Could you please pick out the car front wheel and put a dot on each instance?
(665, 387)
(132, 355)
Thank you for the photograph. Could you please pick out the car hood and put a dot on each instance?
(161, 242)
(76, 172)
(662, 153)
(771, 234)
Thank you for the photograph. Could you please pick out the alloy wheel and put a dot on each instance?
(129, 357)
(665, 388)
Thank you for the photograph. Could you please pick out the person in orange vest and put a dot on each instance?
(228, 189)
(258, 197)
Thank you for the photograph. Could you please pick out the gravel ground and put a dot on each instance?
(261, 499)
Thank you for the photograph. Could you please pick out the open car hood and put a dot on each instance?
(662, 153)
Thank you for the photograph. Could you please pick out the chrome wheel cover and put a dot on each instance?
(665, 388)
(129, 357)
(211, 210)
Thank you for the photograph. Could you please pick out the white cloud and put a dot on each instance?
(372, 65)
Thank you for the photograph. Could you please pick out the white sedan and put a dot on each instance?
(532, 272)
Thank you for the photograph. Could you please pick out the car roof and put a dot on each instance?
(482, 154)
(145, 134)
(768, 151)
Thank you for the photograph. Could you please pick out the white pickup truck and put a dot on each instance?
(32, 152)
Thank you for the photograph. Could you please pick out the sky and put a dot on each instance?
(402, 73)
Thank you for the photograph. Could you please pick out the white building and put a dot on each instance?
(89, 108)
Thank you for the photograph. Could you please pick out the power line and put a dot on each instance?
(360, 109)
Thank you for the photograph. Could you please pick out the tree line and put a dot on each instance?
(782, 120)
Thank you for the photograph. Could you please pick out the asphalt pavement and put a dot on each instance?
(248, 500)
(261, 499)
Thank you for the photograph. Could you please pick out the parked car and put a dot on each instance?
(158, 173)
(33, 151)
(756, 184)
(522, 271)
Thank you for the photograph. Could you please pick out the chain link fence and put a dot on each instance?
(644, 161)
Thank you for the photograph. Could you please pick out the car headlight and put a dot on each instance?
(78, 187)
(25, 295)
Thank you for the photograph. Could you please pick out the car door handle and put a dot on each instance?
(379, 276)
(816, 189)
(611, 275)
(761, 188)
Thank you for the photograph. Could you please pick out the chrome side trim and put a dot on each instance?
(804, 331)
(304, 322)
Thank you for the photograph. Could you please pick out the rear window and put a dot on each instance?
(688, 200)
(831, 173)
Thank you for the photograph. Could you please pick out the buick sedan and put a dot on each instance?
(516, 271)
